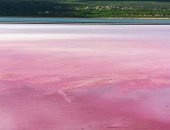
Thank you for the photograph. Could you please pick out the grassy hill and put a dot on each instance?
(85, 8)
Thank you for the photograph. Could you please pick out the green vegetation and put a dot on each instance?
(85, 8)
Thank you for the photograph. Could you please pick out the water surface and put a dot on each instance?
(84, 20)
(84, 77)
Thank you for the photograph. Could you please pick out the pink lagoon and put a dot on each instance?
(84, 77)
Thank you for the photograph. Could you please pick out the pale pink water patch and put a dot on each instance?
(84, 77)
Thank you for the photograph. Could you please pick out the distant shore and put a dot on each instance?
(89, 17)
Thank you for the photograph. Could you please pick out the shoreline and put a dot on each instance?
(17, 23)
(92, 21)
(159, 18)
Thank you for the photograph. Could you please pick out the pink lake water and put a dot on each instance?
(84, 77)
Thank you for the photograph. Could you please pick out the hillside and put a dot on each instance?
(85, 8)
